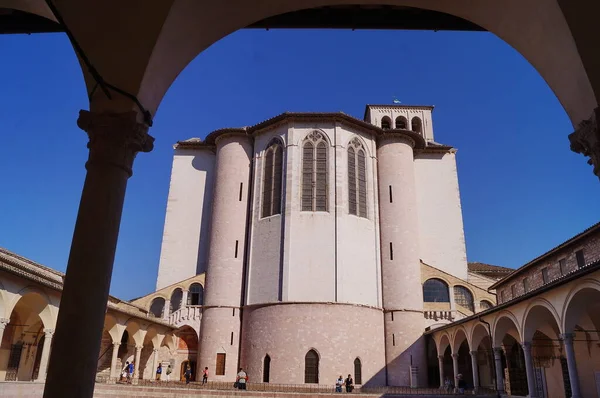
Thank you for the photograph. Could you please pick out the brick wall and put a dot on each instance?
(589, 243)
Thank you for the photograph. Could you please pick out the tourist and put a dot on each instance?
(349, 384)
(205, 375)
(158, 371)
(130, 372)
(462, 384)
(188, 374)
(448, 385)
(169, 370)
(125, 372)
(339, 383)
(241, 379)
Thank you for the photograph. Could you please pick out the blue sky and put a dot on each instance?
(523, 191)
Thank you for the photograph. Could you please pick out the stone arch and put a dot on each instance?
(436, 290)
(386, 123)
(39, 302)
(401, 123)
(312, 360)
(175, 301)
(581, 299)
(505, 323)
(323, 133)
(416, 124)
(157, 307)
(478, 333)
(464, 297)
(196, 294)
(460, 336)
(539, 313)
(443, 343)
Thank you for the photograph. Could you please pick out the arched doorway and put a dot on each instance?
(311, 367)
(187, 348)
(266, 369)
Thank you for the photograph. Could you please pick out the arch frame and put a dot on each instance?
(511, 317)
(538, 302)
(587, 283)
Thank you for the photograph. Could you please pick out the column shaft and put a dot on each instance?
(154, 365)
(475, 367)
(114, 141)
(45, 354)
(498, 366)
(529, 369)
(572, 364)
(441, 365)
(136, 364)
(113, 361)
(455, 368)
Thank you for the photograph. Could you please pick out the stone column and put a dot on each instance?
(441, 365)
(529, 369)
(475, 367)
(571, 364)
(184, 298)
(48, 333)
(167, 310)
(455, 368)
(113, 361)
(498, 366)
(3, 323)
(136, 367)
(400, 265)
(154, 365)
(114, 141)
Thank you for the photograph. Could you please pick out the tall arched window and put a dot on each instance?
(266, 369)
(314, 173)
(157, 307)
(401, 122)
(435, 291)
(176, 297)
(484, 305)
(271, 195)
(386, 123)
(464, 298)
(357, 179)
(195, 295)
(311, 367)
(416, 125)
(357, 371)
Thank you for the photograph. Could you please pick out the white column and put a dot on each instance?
(441, 365)
(154, 365)
(136, 367)
(184, 298)
(498, 365)
(475, 367)
(3, 323)
(167, 310)
(48, 333)
(455, 366)
(529, 369)
(113, 361)
(571, 364)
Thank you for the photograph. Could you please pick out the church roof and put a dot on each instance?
(306, 117)
(489, 270)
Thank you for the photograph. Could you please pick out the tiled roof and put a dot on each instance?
(489, 268)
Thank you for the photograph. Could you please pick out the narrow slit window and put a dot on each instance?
(391, 196)
(233, 314)
(392, 316)
(393, 339)
(241, 189)
(237, 242)
(580, 258)
(271, 194)
(231, 343)
(391, 251)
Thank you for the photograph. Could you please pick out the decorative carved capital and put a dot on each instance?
(116, 344)
(3, 323)
(568, 337)
(455, 356)
(526, 346)
(473, 353)
(115, 138)
(498, 351)
(49, 333)
(441, 357)
(586, 140)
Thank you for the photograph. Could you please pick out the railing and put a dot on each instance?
(294, 388)
(185, 313)
(439, 315)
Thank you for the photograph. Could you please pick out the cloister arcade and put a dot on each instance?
(544, 344)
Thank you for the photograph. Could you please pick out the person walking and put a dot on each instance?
(188, 374)
(205, 376)
(339, 383)
(158, 372)
(241, 379)
(349, 384)
(169, 371)
(125, 372)
(130, 372)
(462, 384)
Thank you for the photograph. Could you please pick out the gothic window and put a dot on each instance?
(357, 371)
(311, 367)
(314, 173)
(435, 291)
(386, 123)
(401, 122)
(176, 297)
(157, 307)
(416, 125)
(266, 369)
(357, 179)
(271, 194)
(464, 298)
(484, 305)
(195, 295)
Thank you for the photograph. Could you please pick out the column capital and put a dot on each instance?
(441, 357)
(498, 350)
(115, 138)
(526, 345)
(139, 347)
(473, 353)
(568, 337)
(455, 356)
(49, 332)
(116, 343)
(155, 350)
(586, 140)
(4, 322)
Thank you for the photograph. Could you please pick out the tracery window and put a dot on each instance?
(401, 122)
(357, 179)
(464, 298)
(435, 291)
(416, 125)
(195, 295)
(271, 194)
(386, 123)
(314, 173)
(311, 367)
